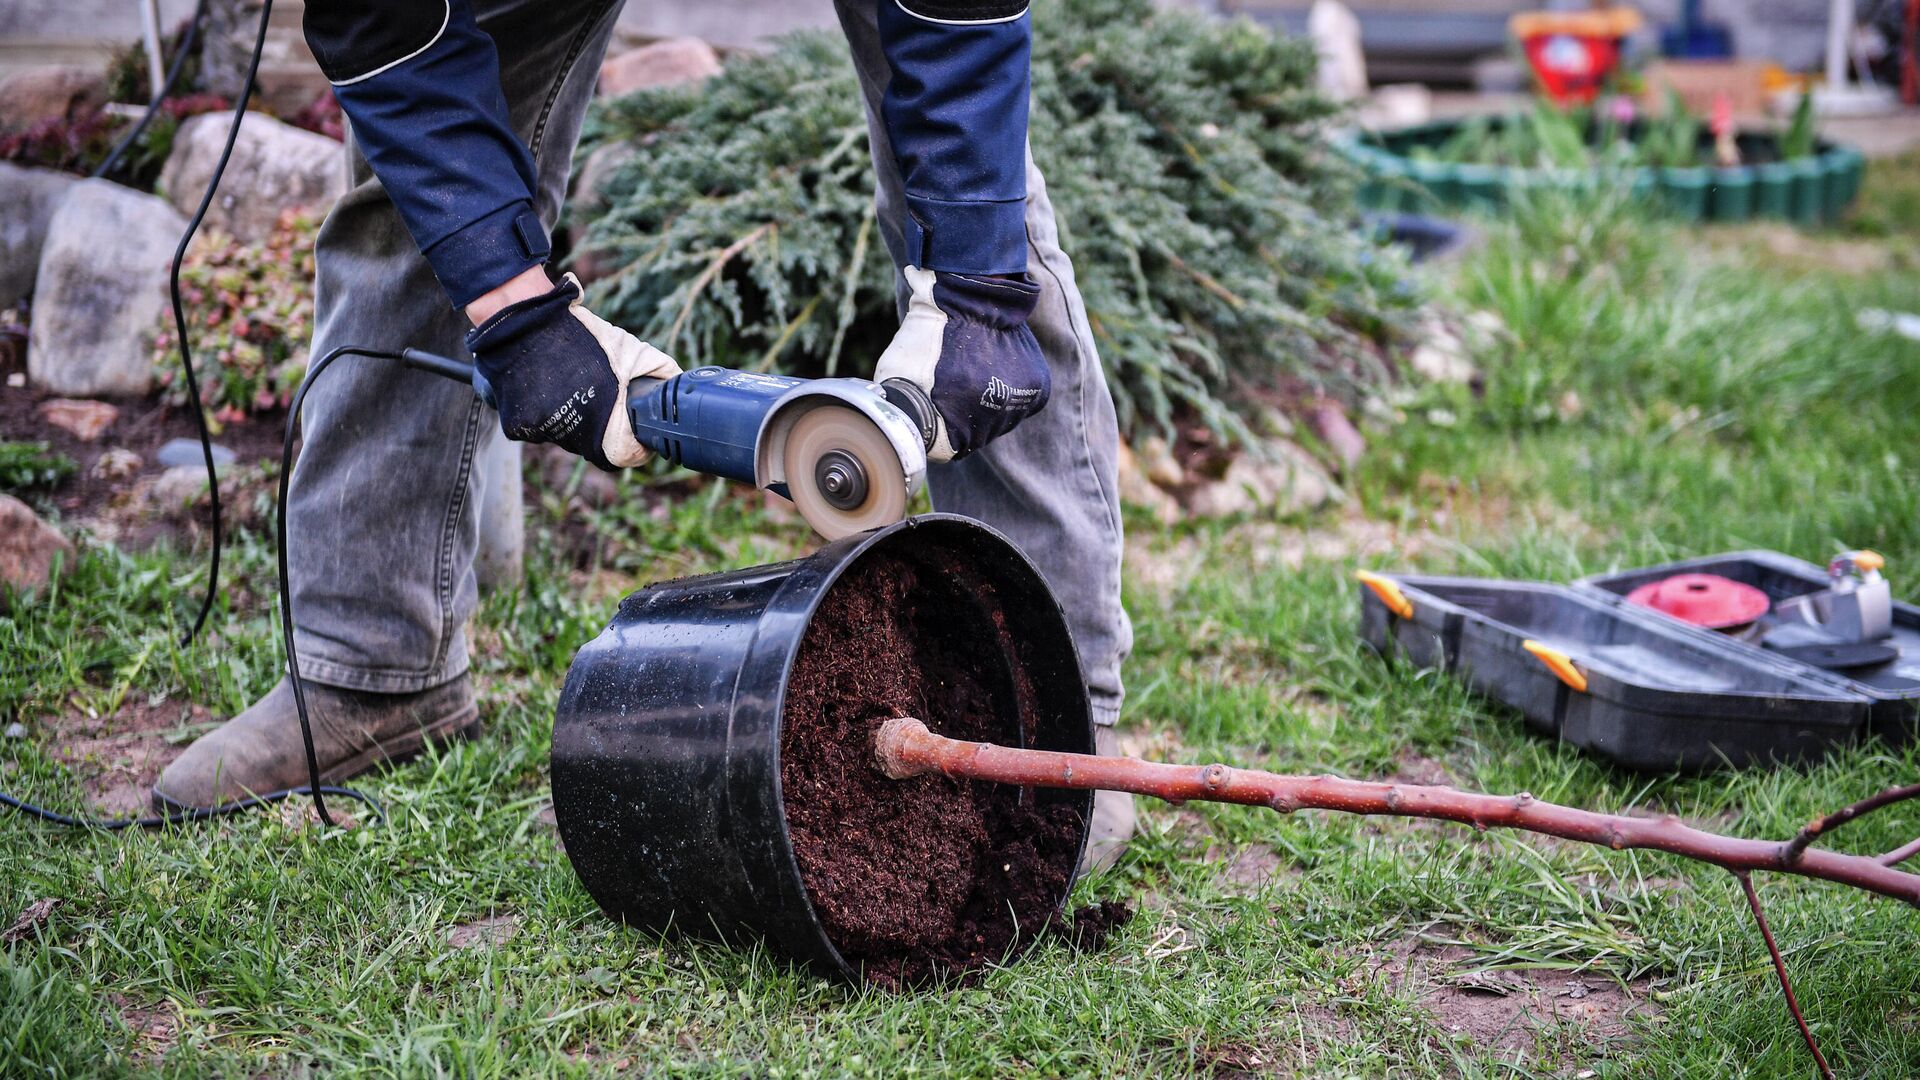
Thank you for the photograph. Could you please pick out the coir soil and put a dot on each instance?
(926, 878)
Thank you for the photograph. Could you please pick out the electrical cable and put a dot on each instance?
(188, 42)
(411, 357)
(280, 558)
(180, 321)
(185, 814)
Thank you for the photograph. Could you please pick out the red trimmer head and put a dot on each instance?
(1708, 600)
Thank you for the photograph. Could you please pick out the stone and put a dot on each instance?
(502, 556)
(1396, 106)
(185, 453)
(118, 463)
(1331, 424)
(52, 92)
(1273, 477)
(100, 292)
(1158, 464)
(588, 263)
(275, 167)
(593, 174)
(1441, 356)
(28, 198)
(177, 488)
(28, 546)
(1137, 490)
(84, 420)
(663, 63)
(1335, 33)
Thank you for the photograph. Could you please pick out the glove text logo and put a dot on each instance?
(998, 395)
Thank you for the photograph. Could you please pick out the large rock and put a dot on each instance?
(28, 198)
(663, 63)
(1274, 478)
(100, 292)
(28, 546)
(1137, 490)
(48, 93)
(275, 167)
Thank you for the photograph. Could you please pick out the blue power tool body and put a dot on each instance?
(849, 453)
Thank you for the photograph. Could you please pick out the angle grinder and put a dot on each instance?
(849, 453)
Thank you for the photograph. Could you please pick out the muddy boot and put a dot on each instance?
(1113, 813)
(261, 751)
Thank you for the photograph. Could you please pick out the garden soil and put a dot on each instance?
(929, 877)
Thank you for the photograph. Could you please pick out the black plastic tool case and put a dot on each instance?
(1893, 689)
(1661, 694)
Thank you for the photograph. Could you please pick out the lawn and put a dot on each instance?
(1657, 393)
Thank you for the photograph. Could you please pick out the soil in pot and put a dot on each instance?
(925, 878)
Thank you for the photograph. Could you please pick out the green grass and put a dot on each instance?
(1655, 397)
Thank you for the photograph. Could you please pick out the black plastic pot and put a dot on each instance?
(666, 741)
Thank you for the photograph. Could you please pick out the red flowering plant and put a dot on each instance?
(250, 313)
(79, 143)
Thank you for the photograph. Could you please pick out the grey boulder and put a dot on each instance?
(100, 292)
(275, 167)
(28, 198)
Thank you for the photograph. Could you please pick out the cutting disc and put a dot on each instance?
(1707, 600)
(842, 474)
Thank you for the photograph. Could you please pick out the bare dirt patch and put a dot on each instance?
(116, 758)
(1412, 768)
(155, 1028)
(490, 932)
(1253, 867)
(1163, 566)
(117, 499)
(1543, 1017)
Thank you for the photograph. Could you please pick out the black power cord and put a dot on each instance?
(180, 321)
(188, 42)
(413, 358)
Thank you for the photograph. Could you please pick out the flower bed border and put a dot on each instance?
(1810, 191)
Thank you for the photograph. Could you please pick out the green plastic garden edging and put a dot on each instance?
(1809, 191)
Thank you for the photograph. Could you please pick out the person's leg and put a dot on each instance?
(1050, 485)
(382, 515)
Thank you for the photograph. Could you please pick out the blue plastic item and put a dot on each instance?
(707, 419)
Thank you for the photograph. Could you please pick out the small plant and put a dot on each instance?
(253, 312)
(1673, 140)
(1575, 139)
(33, 466)
(128, 78)
(1799, 140)
(80, 143)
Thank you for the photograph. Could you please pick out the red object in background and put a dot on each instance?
(1910, 62)
(1572, 53)
(1571, 69)
(1708, 600)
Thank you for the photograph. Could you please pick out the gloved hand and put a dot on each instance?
(559, 374)
(965, 342)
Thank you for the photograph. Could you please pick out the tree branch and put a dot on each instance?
(1840, 817)
(1780, 969)
(906, 748)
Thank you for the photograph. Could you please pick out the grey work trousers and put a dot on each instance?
(383, 512)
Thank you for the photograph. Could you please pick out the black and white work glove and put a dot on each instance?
(558, 373)
(966, 344)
